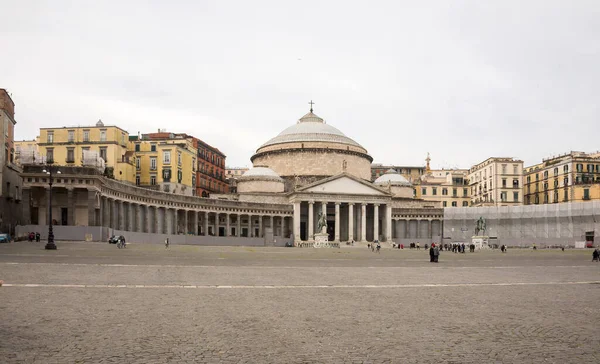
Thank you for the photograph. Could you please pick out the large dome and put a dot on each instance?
(309, 150)
(311, 128)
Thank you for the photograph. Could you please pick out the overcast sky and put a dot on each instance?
(463, 80)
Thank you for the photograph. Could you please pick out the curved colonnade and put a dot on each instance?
(86, 198)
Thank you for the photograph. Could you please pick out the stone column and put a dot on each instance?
(238, 233)
(205, 221)
(115, 212)
(186, 223)
(121, 215)
(376, 222)
(195, 221)
(363, 222)
(105, 212)
(417, 235)
(131, 217)
(168, 221)
(311, 228)
(350, 222)
(337, 222)
(272, 226)
(260, 226)
(91, 203)
(176, 221)
(216, 226)
(139, 226)
(429, 227)
(296, 222)
(149, 222)
(250, 229)
(227, 227)
(388, 224)
(70, 207)
(283, 226)
(26, 202)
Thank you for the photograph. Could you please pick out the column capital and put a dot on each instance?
(351, 203)
(311, 202)
(376, 204)
(338, 203)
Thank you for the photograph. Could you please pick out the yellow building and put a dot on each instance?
(449, 186)
(78, 146)
(165, 162)
(570, 177)
(27, 151)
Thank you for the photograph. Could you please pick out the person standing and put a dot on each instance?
(431, 258)
(436, 254)
(596, 255)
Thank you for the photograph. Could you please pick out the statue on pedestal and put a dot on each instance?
(322, 223)
(480, 226)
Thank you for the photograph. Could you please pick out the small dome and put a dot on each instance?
(261, 172)
(393, 178)
(99, 123)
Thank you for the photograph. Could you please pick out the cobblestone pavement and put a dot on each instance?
(94, 303)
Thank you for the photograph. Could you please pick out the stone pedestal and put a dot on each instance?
(480, 242)
(322, 240)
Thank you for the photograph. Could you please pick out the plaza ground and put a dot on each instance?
(94, 303)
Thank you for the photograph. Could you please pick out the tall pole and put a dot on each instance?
(50, 244)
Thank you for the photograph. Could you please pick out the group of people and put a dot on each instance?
(460, 248)
(375, 245)
(434, 253)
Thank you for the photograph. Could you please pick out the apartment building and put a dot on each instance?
(10, 179)
(449, 186)
(166, 162)
(496, 182)
(70, 146)
(570, 177)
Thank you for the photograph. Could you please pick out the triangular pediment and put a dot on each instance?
(344, 184)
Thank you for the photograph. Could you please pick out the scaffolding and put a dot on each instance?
(92, 158)
(549, 224)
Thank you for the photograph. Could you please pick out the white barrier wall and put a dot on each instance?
(543, 225)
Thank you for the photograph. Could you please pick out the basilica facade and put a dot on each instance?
(309, 170)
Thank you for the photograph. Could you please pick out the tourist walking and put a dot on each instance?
(431, 254)
(596, 255)
(436, 253)
(167, 243)
(378, 247)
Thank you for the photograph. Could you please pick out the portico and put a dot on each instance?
(355, 210)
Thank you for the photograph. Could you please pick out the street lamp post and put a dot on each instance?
(50, 244)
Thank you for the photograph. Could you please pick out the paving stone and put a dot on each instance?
(325, 315)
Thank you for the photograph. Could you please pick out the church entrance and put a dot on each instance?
(303, 230)
(331, 230)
